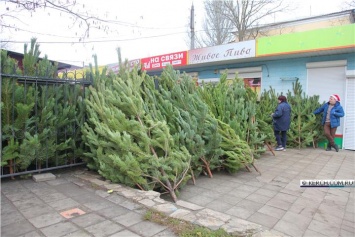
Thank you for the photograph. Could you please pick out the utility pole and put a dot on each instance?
(192, 26)
(118, 49)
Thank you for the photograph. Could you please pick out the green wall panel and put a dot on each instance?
(321, 39)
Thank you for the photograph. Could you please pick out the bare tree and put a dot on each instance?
(247, 15)
(4, 45)
(217, 28)
(350, 4)
(68, 9)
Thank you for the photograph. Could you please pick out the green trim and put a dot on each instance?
(320, 39)
(337, 140)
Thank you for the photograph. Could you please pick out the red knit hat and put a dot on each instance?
(336, 97)
(282, 98)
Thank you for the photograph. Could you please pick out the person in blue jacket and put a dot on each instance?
(281, 121)
(332, 112)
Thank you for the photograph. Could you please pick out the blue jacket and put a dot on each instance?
(335, 114)
(282, 117)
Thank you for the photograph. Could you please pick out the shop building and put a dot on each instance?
(323, 60)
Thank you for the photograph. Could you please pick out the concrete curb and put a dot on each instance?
(182, 210)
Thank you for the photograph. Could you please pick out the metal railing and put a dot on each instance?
(41, 118)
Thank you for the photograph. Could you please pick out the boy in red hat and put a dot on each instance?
(332, 112)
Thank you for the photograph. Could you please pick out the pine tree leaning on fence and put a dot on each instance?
(46, 144)
(43, 144)
(72, 110)
(16, 113)
(33, 112)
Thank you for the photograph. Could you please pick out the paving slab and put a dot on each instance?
(36, 210)
(324, 228)
(128, 219)
(263, 219)
(46, 220)
(126, 233)
(104, 228)
(63, 204)
(272, 211)
(88, 219)
(147, 229)
(17, 228)
(43, 177)
(112, 211)
(11, 217)
(59, 229)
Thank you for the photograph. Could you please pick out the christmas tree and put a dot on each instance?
(34, 112)
(16, 112)
(192, 123)
(265, 107)
(128, 145)
(305, 128)
(236, 152)
(235, 105)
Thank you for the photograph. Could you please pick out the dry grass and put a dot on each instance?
(183, 228)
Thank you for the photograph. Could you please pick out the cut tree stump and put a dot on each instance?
(270, 148)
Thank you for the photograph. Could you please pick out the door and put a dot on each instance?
(325, 79)
(349, 123)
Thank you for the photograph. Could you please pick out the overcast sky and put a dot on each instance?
(144, 28)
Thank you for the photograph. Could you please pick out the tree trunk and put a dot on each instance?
(193, 176)
(207, 167)
(167, 182)
(11, 169)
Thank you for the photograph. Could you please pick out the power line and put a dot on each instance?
(59, 36)
(75, 37)
(92, 41)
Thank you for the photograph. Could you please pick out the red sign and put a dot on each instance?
(157, 62)
(115, 68)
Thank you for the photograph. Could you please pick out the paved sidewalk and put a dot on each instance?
(275, 199)
(246, 203)
(70, 206)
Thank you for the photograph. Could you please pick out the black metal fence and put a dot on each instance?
(40, 122)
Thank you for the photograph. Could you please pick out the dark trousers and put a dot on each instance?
(281, 138)
(329, 132)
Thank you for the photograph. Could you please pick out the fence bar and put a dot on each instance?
(41, 86)
(41, 170)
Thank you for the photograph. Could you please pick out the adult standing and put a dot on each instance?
(281, 121)
(332, 112)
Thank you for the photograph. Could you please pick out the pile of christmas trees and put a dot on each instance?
(157, 133)
(151, 133)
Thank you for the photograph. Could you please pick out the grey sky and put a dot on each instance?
(148, 28)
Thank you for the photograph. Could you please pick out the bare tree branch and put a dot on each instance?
(236, 20)
(70, 8)
(247, 15)
(217, 28)
(350, 4)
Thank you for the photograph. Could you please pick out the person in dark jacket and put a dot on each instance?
(332, 112)
(281, 121)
